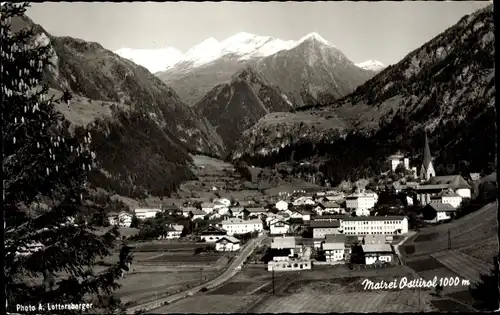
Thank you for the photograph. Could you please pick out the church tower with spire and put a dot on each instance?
(427, 170)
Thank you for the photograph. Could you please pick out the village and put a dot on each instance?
(307, 228)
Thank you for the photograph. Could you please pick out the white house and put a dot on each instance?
(197, 214)
(227, 244)
(436, 212)
(238, 226)
(448, 197)
(212, 233)
(207, 207)
(238, 212)
(377, 252)
(122, 219)
(281, 205)
(254, 211)
(334, 247)
(329, 207)
(299, 214)
(397, 159)
(383, 225)
(438, 184)
(145, 213)
(279, 227)
(174, 231)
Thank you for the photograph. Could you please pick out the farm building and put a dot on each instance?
(281, 205)
(279, 227)
(377, 253)
(322, 228)
(227, 244)
(197, 214)
(300, 214)
(238, 226)
(123, 219)
(387, 225)
(334, 247)
(144, 213)
(449, 197)
(436, 212)
(174, 231)
(212, 234)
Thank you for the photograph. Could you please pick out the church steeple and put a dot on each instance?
(427, 170)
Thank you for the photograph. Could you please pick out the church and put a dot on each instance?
(435, 187)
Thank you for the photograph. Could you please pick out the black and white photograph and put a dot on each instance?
(249, 157)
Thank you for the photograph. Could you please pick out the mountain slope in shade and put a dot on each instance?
(446, 87)
(372, 65)
(233, 107)
(143, 138)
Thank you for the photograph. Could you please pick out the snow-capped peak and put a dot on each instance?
(372, 65)
(243, 45)
(314, 36)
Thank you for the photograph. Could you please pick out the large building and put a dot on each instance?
(212, 234)
(361, 203)
(427, 169)
(449, 197)
(439, 184)
(279, 227)
(387, 225)
(122, 219)
(238, 226)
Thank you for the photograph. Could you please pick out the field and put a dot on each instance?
(474, 242)
(161, 268)
(323, 289)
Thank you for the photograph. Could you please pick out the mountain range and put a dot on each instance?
(445, 87)
(312, 72)
(211, 62)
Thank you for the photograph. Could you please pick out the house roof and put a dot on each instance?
(256, 210)
(377, 248)
(188, 209)
(376, 218)
(441, 207)
(212, 229)
(395, 157)
(431, 187)
(330, 205)
(142, 210)
(329, 217)
(239, 221)
(196, 211)
(447, 194)
(335, 238)
(230, 239)
(374, 239)
(207, 205)
(280, 221)
(452, 181)
(284, 242)
(325, 224)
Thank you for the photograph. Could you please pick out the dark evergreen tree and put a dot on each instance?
(486, 291)
(47, 258)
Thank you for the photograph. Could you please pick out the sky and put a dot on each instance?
(383, 31)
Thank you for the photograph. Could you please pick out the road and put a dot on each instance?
(225, 276)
